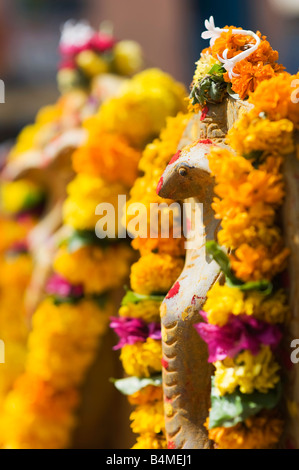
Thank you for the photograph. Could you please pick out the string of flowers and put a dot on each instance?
(20, 203)
(243, 318)
(69, 323)
(138, 325)
(221, 72)
(86, 55)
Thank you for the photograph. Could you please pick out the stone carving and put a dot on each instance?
(186, 371)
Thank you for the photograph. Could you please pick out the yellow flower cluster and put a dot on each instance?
(145, 103)
(248, 372)
(168, 267)
(61, 346)
(273, 137)
(148, 310)
(204, 65)
(17, 196)
(223, 301)
(85, 192)
(142, 359)
(160, 264)
(97, 269)
(148, 418)
(150, 441)
(76, 326)
(15, 276)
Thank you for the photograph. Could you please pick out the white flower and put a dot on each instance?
(213, 33)
(76, 33)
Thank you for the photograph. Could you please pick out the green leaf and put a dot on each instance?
(236, 407)
(216, 252)
(81, 238)
(133, 298)
(131, 385)
(217, 69)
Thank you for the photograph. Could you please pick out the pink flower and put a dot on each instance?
(130, 330)
(102, 42)
(59, 286)
(240, 333)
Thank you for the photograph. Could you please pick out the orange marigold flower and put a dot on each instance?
(233, 42)
(171, 246)
(147, 394)
(109, 156)
(261, 262)
(276, 98)
(249, 76)
(257, 432)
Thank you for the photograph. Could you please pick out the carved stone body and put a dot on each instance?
(186, 371)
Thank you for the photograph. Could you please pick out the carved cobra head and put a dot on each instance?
(187, 174)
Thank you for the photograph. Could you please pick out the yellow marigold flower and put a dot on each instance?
(34, 135)
(19, 195)
(247, 371)
(275, 98)
(257, 432)
(85, 193)
(97, 269)
(171, 246)
(144, 279)
(145, 102)
(260, 262)
(15, 356)
(148, 394)
(148, 418)
(148, 310)
(142, 359)
(204, 65)
(150, 441)
(158, 153)
(27, 421)
(223, 301)
(107, 155)
(246, 229)
(12, 231)
(64, 339)
(248, 135)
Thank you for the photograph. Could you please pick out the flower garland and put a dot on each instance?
(23, 200)
(243, 318)
(212, 80)
(21, 203)
(69, 323)
(138, 325)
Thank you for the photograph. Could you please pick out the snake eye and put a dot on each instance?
(183, 171)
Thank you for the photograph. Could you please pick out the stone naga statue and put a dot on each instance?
(186, 371)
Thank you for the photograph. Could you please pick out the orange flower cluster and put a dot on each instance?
(108, 155)
(257, 432)
(261, 65)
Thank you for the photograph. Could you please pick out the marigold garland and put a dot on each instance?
(156, 270)
(250, 189)
(68, 325)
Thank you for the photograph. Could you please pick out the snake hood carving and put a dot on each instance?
(186, 371)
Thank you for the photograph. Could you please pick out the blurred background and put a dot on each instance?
(168, 30)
